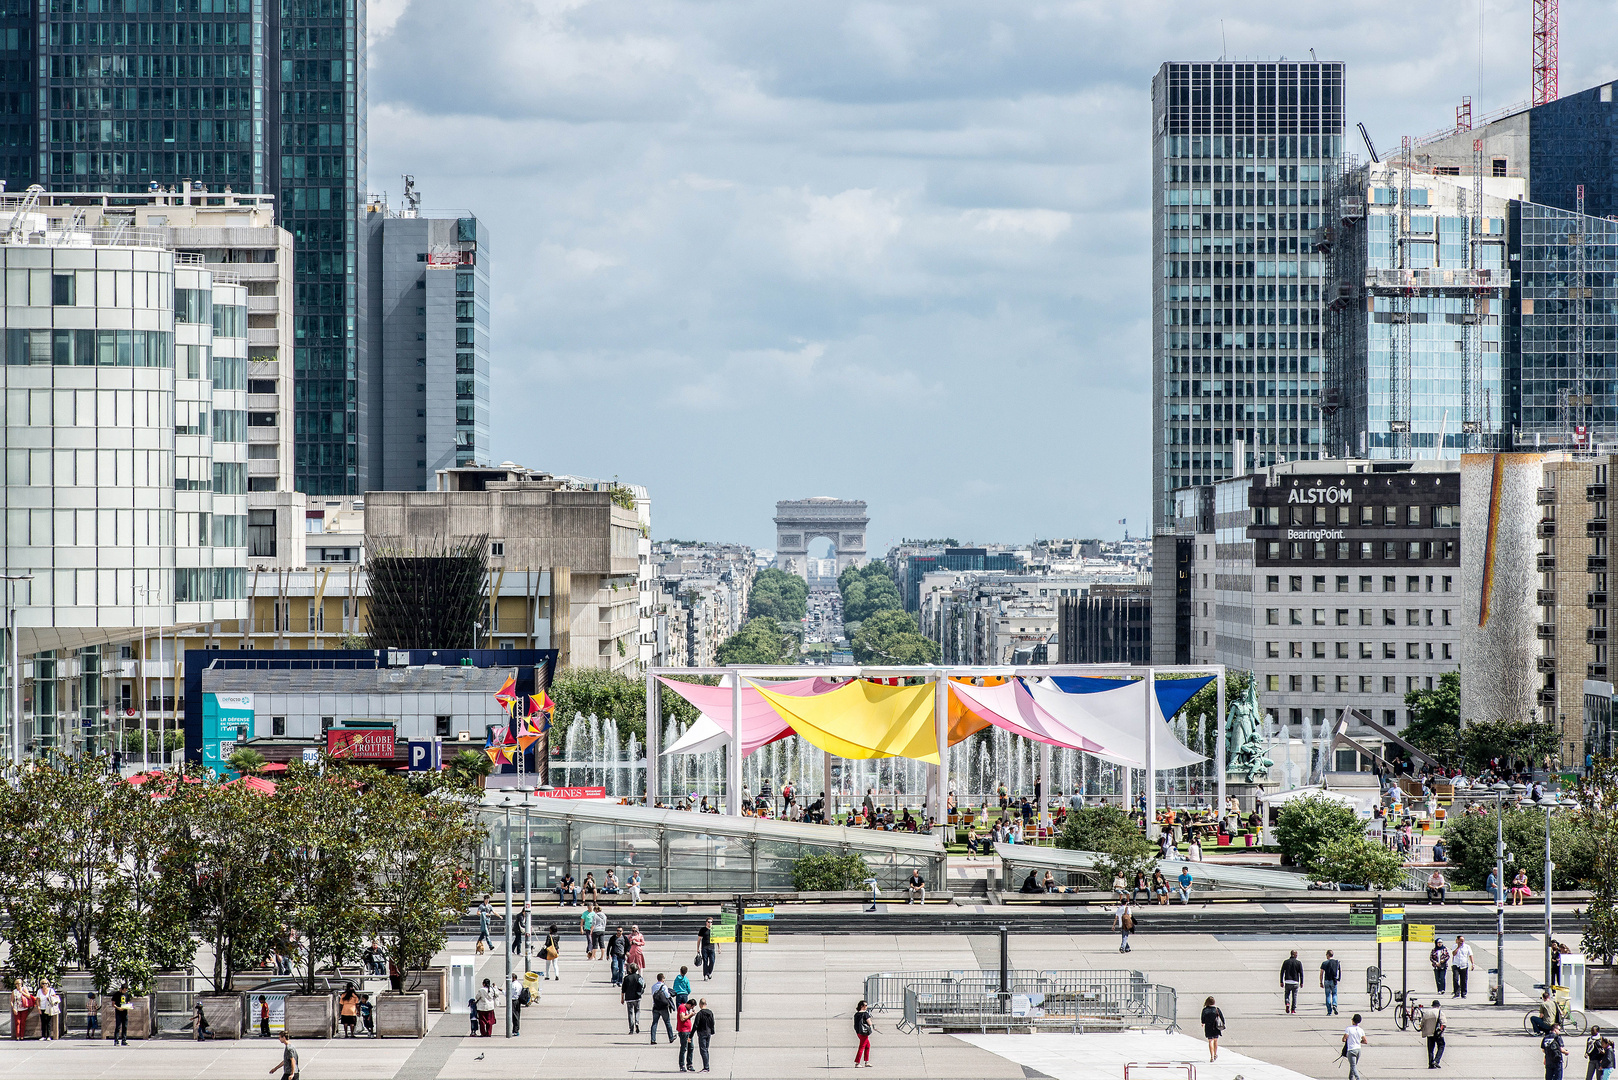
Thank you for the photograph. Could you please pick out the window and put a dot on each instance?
(1295, 684)
(1342, 616)
(1342, 650)
(1317, 684)
(497, 549)
(1343, 516)
(1366, 651)
(261, 386)
(1390, 684)
(1317, 616)
(260, 419)
(441, 726)
(278, 725)
(1446, 617)
(1412, 617)
(1342, 552)
(1390, 651)
(326, 722)
(1295, 583)
(1412, 583)
(1413, 515)
(1295, 650)
(1342, 684)
(1390, 515)
(1320, 583)
(1317, 650)
(1412, 650)
(1498, 167)
(1295, 616)
(1389, 583)
(1272, 616)
(62, 291)
(1367, 515)
(1366, 617)
(1446, 517)
(1447, 655)
(260, 534)
(1389, 617)
(1414, 550)
(1342, 582)
(1272, 583)
(1272, 650)
(1427, 616)
(1272, 550)
(1365, 583)
(1272, 683)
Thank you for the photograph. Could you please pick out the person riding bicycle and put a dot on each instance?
(1549, 1015)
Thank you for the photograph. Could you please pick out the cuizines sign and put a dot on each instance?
(1321, 495)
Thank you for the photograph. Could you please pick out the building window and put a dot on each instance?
(1272, 616)
(62, 291)
(1272, 583)
(1295, 683)
(1272, 650)
(1365, 583)
(1446, 651)
(1342, 616)
(497, 549)
(1366, 617)
(1412, 617)
(1390, 651)
(1342, 580)
(1320, 583)
(1295, 583)
(1342, 650)
(1390, 684)
(278, 725)
(1295, 616)
(261, 534)
(1342, 684)
(1272, 683)
(1498, 167)
(1295, 650)
(1317, 650)
(1317, 684)
(1317, 616)
(1412, 650)
(441, 726)
(1389, 617)
(1447, 579)
(1366, 652)
(1390, 515)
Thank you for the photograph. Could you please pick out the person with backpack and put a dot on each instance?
(1354, 1038)
(1213, 1026)
(629, 994)
(1432, 1029)
(1555, 1052)
(518, 997)
(703, 1028)
(662, 1007)
(1331, 973)
(862, 1028)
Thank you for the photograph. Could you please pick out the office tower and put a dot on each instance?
(125, 434)
(426, 342)
(1241, 153)
(260, 96)
(1417, 301)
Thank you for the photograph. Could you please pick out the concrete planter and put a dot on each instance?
(311, 1016)
(433, 981)
(140, 1017)
(224, 1013)
(1601, 988)
(401, 1016)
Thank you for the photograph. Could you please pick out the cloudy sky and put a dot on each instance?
(747, 251)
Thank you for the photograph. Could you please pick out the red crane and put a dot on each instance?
(1545, 37)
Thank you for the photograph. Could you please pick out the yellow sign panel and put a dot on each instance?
(723, 935)
(755, 935)
(1389, 932)
(1421, 932)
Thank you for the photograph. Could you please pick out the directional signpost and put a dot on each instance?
(754, 917)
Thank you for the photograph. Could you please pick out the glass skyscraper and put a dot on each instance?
(1241, 153)
(260, 96)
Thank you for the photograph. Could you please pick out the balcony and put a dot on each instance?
(1545, 497)
(1595, 671)
(1545, 665)
(1546, 631)
(1546, 564)
(1598, 527)
(1545, 597)
(263, 305)
(1595, 564)
(1595, 492)
(266, 337)
(1546, 698)
(1595, 635)
(1595, 599)
(1546, 530)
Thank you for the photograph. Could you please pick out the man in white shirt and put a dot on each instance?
(1354, 1037)
(1460, 962)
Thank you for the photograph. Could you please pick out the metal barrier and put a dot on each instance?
(1045, 1000)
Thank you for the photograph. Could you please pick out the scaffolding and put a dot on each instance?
(1399, 343)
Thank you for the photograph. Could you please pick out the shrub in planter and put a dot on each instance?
(829, 873)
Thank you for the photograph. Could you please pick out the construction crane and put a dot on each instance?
(1545, 50)
(1369, 146)
(1399, 344)
(29, 204)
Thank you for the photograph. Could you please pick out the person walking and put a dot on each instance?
(1439, 959)
(629, 994)
(552, 952)
(289, 1060)
(1593, 1054)
(1432, 1029)
(1213, 1026)
(121, 1000)
(706, 949)
(1555, 1052)
(703, 1028)
(682, 987)
(50, 1008)
(1291, 979)
(617, 950)
(1123, 921)
(1331, 973)
(1354, 1038)
(485, 1009)
(520, 931)
(662, 1007)
(1460, 962)
(586, 920)
(684, 1020)
(637, 948)
(485, 912)
(92, 1016)
(862, 1030)
(263, 1017)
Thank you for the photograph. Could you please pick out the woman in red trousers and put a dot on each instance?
(862, 1028)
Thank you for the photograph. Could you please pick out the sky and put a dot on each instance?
(898, 252)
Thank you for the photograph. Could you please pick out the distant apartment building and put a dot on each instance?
(911, 565)
(426, 342)
(1111, 624)
(1241, 154)
(703, 590)
(1337, 583)
(987, 617)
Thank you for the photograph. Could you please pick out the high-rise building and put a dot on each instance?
(258, 96)
(425, 342)
(1241, 154)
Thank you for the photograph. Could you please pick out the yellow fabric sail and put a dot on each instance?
(863, 719)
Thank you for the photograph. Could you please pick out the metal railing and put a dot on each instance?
(1073, 1001)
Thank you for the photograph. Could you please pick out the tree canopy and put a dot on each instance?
(759, 642)
(867, 590)
(778, 595)
(608, 695)
(1435, 718)
(1308, 825)
(892, 637)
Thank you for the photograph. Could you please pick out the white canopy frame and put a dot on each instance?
(938, 782)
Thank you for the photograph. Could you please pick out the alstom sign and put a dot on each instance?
(1321, 495)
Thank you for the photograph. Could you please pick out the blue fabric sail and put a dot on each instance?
(1172, 694)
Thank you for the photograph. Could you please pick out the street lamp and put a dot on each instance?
(16, 674)
(505, 802)
(1501, 789)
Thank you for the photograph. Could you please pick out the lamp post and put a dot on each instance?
(16, 673)
(140, 686)
(1501, 789)
(505, 802)
(1549, 866)
(527, 881)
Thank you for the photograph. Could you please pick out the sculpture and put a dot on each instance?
(1244, 736)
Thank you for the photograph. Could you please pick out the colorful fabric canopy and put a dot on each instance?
(1172, 694)
(1113, 718)
(863, 720)
(1008, 705)
(761, 724)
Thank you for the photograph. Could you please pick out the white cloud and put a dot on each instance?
(1043, 225)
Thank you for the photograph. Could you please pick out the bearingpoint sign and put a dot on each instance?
(360, 744)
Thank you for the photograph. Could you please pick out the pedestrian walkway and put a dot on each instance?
(1103, 1057)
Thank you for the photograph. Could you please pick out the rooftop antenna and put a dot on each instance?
(1224, 46)
(412, 197)
(1313, 57)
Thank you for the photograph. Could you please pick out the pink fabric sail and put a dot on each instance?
(1010, 706)
(761, 724)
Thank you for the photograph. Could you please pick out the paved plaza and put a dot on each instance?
(800, 993)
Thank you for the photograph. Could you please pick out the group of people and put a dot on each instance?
(570, 892)
(672, 1003)
(1456, 962)
(48, 1002)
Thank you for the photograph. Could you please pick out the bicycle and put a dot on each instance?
(1407, 1010)
(1572, 1020)
(1380, 993)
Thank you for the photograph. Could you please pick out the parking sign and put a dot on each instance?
(425, 755)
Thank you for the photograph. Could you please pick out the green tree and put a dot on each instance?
(247, 762)
(1357, 860)
(467, 768)
(1435, 718)
(867, 590)
(891, 637)
(778, 595)
(1470, 839)
(760, 641)
(1523, 740)
(421, 851)
(608, 695)
(1308, 824)
(1113, 835)
(1597, 817)
(328, 874)
(829, 872)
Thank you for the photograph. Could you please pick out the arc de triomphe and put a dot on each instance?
(798, 522)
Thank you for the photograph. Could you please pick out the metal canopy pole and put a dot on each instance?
(654, 738)
(1044, 780)
(733, 758)
(1151, 749)
(941, 735)
(1219, 739)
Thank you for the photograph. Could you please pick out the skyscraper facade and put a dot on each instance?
(259, 96)
(1241, 154)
